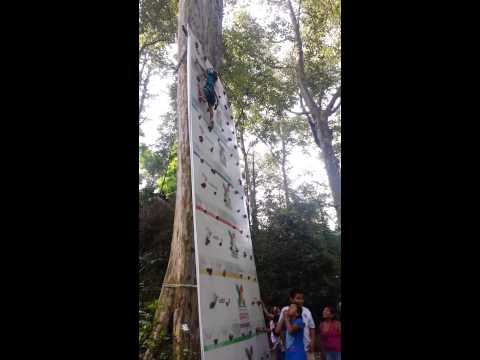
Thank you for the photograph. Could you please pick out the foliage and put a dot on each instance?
(320, 30)
(162, 346)
(300, 240)
(157, 24)
(157, 29)
(253, 84)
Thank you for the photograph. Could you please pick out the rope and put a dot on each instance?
(179, 285)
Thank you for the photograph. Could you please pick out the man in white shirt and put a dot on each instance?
(296, 297)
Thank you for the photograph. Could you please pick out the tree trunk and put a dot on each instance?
(253, 200)
(332, 165)
(319, 123)
(240, 131)
(177, 308)
(284, 169)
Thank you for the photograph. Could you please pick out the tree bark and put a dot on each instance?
(177, 309)
(240, 132)
(253, 200)
(284, 169)
(319, 119)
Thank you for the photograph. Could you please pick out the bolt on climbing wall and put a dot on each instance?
(229, 296)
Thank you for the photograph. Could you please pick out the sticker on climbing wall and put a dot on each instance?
(230, 312)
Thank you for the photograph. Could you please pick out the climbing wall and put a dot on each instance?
(229, 295)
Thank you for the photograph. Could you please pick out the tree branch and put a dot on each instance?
(300, 66)
(144, 46)
(298, 113)
(288, 38)
(280, 67)
(334, 110)
(330, 110)
(312, 124)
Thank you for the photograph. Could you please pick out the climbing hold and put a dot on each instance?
(200, 138)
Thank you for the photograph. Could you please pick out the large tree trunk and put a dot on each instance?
(178, 304)
(318, 119)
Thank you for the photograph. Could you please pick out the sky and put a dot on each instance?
(304, 167)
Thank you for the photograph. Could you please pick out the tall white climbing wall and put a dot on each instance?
(229, 295)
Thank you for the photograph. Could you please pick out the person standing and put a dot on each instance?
(297, 297)
(330, 335)
(292, 327)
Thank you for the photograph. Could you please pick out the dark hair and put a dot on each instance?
(332, 310)
(295, 292)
